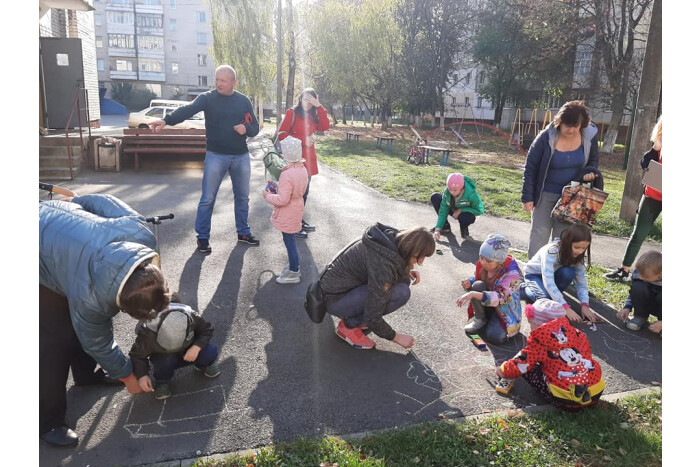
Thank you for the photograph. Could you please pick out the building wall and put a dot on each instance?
(177, 23)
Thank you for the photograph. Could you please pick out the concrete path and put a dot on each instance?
(283, 376)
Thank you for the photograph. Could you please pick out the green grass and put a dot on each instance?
(499, 188)
(625, 433)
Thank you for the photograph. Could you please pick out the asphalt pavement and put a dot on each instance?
(284, 376)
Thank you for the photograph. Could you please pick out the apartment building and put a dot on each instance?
(161, 45)
(463, 100)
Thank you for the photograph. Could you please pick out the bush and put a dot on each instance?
(133, 99)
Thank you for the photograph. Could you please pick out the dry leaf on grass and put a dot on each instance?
(622, 451)
(470, 437)
(484, 431)
(575, 442)
(476, 453)
(598, 448)
(607, 458)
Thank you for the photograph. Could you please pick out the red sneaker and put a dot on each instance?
(354, 336)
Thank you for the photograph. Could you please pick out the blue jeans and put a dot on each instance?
(215, 168)
(534, 286)
(352, 305)
(290, 241)
(165, 364)
(493, 331)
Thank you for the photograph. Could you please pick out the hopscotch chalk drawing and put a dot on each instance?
(186, 413)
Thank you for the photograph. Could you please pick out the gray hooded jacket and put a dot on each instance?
(87, 250)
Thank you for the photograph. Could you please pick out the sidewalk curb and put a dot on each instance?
(363, 434)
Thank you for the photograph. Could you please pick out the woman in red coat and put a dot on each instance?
(302, 122)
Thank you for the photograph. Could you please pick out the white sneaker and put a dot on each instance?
(475, 324)
(289, 277)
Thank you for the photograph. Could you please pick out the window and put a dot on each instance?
(150, 21)
(202, 16)
(466, 101)
(479, 101)
(203, 81)
(151, 65)
(120, 2)
(120, 17)
(121, 41)
(157, 113)
(119, 64)
(98, 41)
(173, 25)
(454, 100)
(202, 38)
(455, 78)
(173, 46)
(100, 64)
(582, 65)
(468, 79)
(150, 43)
(482, 76)
(175, 68)
(173, 4)
(98, 20)
(149, 2)
(201, 59)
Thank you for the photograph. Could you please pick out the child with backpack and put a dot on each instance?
(173, 338)
(288, 201)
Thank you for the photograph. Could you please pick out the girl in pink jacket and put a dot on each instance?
(288, 200)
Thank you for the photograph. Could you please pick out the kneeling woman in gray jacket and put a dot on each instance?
(371, 278)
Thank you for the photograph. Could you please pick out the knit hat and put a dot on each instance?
(291, 149)
(173, 327)
(544, 310)
(495, 248)
(455, 180)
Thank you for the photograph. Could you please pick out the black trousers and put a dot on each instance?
(59, 351)
(465, 218)
(646, 299)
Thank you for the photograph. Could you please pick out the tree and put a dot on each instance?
(291, 56)
(242, 32)
(525, 44)
(619, 30)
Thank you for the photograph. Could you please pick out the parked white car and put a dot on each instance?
(151, 114)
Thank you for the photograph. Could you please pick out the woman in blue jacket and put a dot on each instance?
(565, 151)
(95, 257)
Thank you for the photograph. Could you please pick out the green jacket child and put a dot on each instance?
(460, 200)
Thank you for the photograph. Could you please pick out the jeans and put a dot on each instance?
(647, 212)
(165, 364)
(352, 305)
(465, 218)
(493, 330)
(534, 286)
(290, 241)
(646, 299)
(544, 225)
(215, 168)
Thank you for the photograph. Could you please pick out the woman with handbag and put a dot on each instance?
(371, 279)
(308, 117)
(556, 157)
(647, 212)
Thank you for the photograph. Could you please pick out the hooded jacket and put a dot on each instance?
(468, 202)
(539, 158)
(289, 199)
(564, 355)
(374, 261)
(87, 250)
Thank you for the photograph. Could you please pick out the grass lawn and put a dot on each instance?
(625, 433)
(499, 187)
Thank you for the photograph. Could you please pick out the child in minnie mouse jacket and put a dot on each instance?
(556, 360)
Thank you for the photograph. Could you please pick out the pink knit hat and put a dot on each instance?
(544, 310)
(455, 180)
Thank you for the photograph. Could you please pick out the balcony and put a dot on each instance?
(152, 76)
(115, 74)
(119, 52)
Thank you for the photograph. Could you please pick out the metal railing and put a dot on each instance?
(76, 105)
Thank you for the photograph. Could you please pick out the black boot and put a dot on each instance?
(60, 436)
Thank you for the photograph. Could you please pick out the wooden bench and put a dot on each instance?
(382, 139)
(144, 141)
(444, 160)
(349, 136)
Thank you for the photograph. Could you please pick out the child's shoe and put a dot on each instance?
(464, 232)
(289, 277)
(162, 391)
(475, 324)
(636, 324)
(354, 336)
(212, 371)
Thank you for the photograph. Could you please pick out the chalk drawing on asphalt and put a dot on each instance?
(185, 413)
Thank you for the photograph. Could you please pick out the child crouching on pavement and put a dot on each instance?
(645, 294)
(557, 359)
(172, 338)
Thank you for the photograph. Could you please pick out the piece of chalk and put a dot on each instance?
(477, 341)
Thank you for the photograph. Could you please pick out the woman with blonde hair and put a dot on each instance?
(647, 212)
